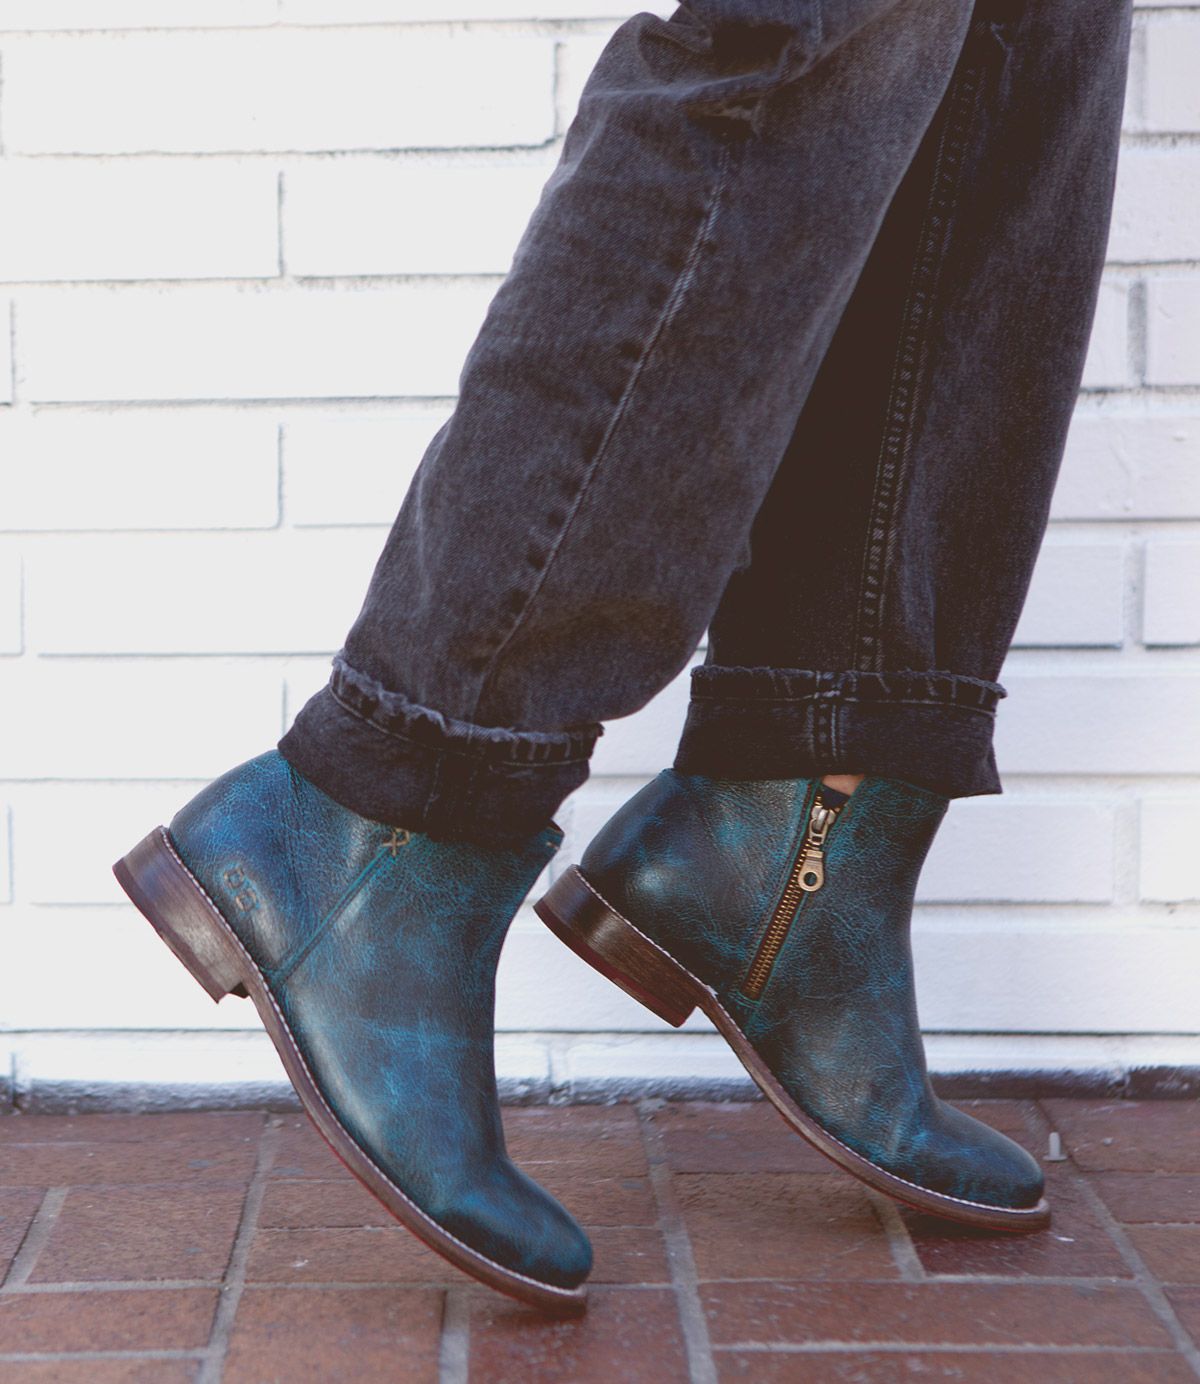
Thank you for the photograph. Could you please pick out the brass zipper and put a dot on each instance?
(806, 877)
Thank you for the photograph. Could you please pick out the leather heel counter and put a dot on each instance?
(625, 860)
(210, 814)
(654, 863)
(228, 836)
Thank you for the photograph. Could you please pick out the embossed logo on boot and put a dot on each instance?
(244, 897)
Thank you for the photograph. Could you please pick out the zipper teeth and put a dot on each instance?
(773, 937)
(789, 901)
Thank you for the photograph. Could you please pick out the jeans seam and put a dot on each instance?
(758, 685)
(823, 727)
(670, 308)
(440, 750)
(429, 807)
(909, 365)
(835, 700)
(444, 802)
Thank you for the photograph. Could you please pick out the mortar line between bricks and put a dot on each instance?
(34, 1239)
(1138, 331)
(541, 146)
(371, 1284)
(281, 256)
(404, 404)
(280, 478)
(904, 1252)
(12, 353)
(701, 1365)
(454, 1348)
(1036, 1280)
(556, 84)
(932, 1348)
(1151, 1289)
(112, 1285)
(235, 1274)
(16, 1357)
(23, 643)
(1164, 1225)
(357, 1285)
(391, 278)
(1093, 398)
(10, 879)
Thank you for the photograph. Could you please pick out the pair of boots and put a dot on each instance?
(779, 908)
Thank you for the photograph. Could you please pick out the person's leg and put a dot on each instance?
(566, 540)
(888, 566)
(621, 415)
(892, 555)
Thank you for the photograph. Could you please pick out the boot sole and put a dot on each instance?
(179, 909)
(615, 947)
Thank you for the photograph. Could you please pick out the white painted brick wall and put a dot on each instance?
(6, 357)
(46, 15)
(367, 217)
(259, 341)
(345, 469)
(1170, 860)
(1172, 330)
(6, 894)
(1156, 216)
(1077, 595)
(1172, 596)
(136, 718)
(142, 219)
(1133, 458)
(1172, 96)
(245, 249)
(280, 89)
(130, 469)
(228, 593)
(1108, 364)
(11, 619)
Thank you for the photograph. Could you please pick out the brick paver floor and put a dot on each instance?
(233, 1246)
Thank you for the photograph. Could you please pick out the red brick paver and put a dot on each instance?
(156, 1231)
(18, 1205)
(1077, 1243)
(808, 1226)
(626, 1335)
(955, 1367)
(297, 1337)
(109, 1320)
(97, 1371)
(159, 1249)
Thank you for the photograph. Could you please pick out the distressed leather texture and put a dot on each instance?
(699, 864)
(694, 858)
(381, 953)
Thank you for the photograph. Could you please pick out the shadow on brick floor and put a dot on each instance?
(233, 1246)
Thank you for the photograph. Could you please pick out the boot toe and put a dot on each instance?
(509, 1219)
(989, 1167)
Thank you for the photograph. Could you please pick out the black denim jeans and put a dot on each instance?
(788, 351)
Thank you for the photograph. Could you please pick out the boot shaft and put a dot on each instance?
(706, 864)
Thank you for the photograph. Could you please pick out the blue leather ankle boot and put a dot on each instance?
(370, 953)
(785, 918)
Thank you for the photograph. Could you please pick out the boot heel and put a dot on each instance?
(178, 909)
(578, 916)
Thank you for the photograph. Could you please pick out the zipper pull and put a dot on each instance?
(812, 857)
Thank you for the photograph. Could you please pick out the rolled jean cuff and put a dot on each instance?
(389, 759)
(932, 729)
